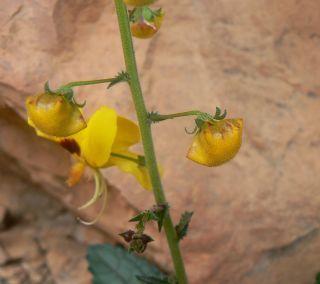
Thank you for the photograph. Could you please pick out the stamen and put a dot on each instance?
(100, 191)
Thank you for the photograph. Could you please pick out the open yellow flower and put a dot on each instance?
(54, 115)
(104, 143)
(216, 142)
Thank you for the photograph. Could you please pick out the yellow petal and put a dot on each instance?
(54, 116)
(97, 139)
(128, 134)
(41, 134)
(76, 173)
(217, 142)
(139, 172)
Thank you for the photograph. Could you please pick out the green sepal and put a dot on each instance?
(199, 122)
(218, 116)
(182, 227)
(47, 89)
(147, 14)
(143, 13)
(66, 92)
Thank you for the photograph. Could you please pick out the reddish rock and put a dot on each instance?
(255, 217)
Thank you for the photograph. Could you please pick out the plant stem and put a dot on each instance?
(145, 129)
(89, 82)
(154, 117)
(124, 157)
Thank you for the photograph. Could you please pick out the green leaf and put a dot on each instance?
(182, 227)
(144, 216)
(115, 265)
(153, 280)
(318, 278)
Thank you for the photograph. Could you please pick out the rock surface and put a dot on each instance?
(256, 218)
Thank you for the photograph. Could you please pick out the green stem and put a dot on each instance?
(154, 117)
(125, 157)
(145, 129)
(89, 82)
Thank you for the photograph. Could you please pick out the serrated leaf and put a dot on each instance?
(182, 227)
(152, 280)
(109, 264)
(144, 216)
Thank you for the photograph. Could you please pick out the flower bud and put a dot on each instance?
(144, 28)
(138, 3)
(53, 115)
(217, 142)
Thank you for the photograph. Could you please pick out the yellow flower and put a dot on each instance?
(145, 29)
(217, 142)
(53, 115)
(104, 143)
(139, 2)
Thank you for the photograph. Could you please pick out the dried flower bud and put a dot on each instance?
(139, 242)
(217, 142)
(127, 235)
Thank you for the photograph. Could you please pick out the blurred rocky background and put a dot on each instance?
(256, 218)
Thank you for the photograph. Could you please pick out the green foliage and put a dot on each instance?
(115, 265)
(156, 213)
(317, 278)
(154, 280)
(182, 227)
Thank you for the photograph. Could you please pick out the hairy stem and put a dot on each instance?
(134, 83)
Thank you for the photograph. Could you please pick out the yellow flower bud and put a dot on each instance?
(138, 3)
(146, 29)
(217, 142)
(55, 116)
